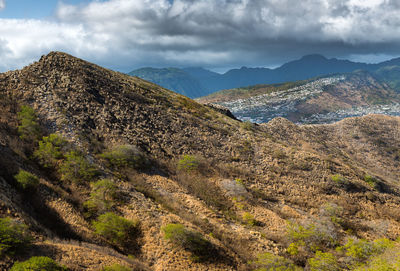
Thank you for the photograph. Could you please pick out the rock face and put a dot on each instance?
(323, 100)
(248, 181)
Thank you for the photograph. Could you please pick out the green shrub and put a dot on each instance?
(249, 219)
(323, 262)
(26, 180)
(188, 163)
(117, 230)
(271, 262)
(38, 264)
(51, 150)
(388, 261)
(14, 236)
(102, 196)
(116, 267)
(360, 250)
(310, 237)
(124, 156)
(339, 179)
(29, 128)
(76, 168)
(370, 180)
(189, 240)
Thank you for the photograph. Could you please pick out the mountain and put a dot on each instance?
(208, 82)
(320, 100)
(105, 168)
(172, 78)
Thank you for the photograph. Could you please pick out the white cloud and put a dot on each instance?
(125, 34)
(2, 4)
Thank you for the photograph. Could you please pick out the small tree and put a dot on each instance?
(27, 180)
(102, 196)
(29, 128)
(38, 264)
(188, 163)
(124, 156)
(117, 230)
(14, 236)
(76, 168)
(51, 150)
(189, 240)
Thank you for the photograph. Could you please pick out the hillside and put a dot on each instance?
(319, 100)
(108, 142)
(206, 82)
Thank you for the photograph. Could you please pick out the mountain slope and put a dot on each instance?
(307, 67)
(320, 100)
(175, 79)
(236, 184)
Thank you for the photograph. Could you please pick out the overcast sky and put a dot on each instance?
(217, 34)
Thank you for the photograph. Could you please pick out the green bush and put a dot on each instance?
(102, 196)
(388, 261)
(323, 262)
(38, 264)
(310, 237)
(360, 250)
(371, 180)
(51, 150)
(189, 240)
(29, 128)
(124, 156)
(76, 168)
(116, 267)
(117, 230)
(249, 219)
(271, 262)
(188, 163)
(339, 179)
(14, 236)
(26, 180)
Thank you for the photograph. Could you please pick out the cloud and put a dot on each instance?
(125, 34)
(2, 4)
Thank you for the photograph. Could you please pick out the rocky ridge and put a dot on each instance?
(273, 172)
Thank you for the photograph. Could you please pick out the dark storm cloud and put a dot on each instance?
(126, 34)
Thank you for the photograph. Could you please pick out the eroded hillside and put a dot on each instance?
(321, 100)
(236, 187)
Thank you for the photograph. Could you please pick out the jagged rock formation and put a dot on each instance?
(273, 172)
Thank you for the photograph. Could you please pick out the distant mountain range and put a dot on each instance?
(197, 82)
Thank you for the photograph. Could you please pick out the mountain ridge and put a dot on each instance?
(304, 68)
(234, 186)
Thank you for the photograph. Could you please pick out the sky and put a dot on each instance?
(217, 34)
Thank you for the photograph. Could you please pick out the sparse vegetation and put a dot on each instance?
(249, 219)
(189, 240)
(102, 197)
(124, 156)
(29, 128)
(116, 229)
(26, 179)
(323, 262)
(51, 149)
(271, 262)
(116, 267)
(188, 163)
(38, 264)
(77, 168)
(372, 181)
(14, 236)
